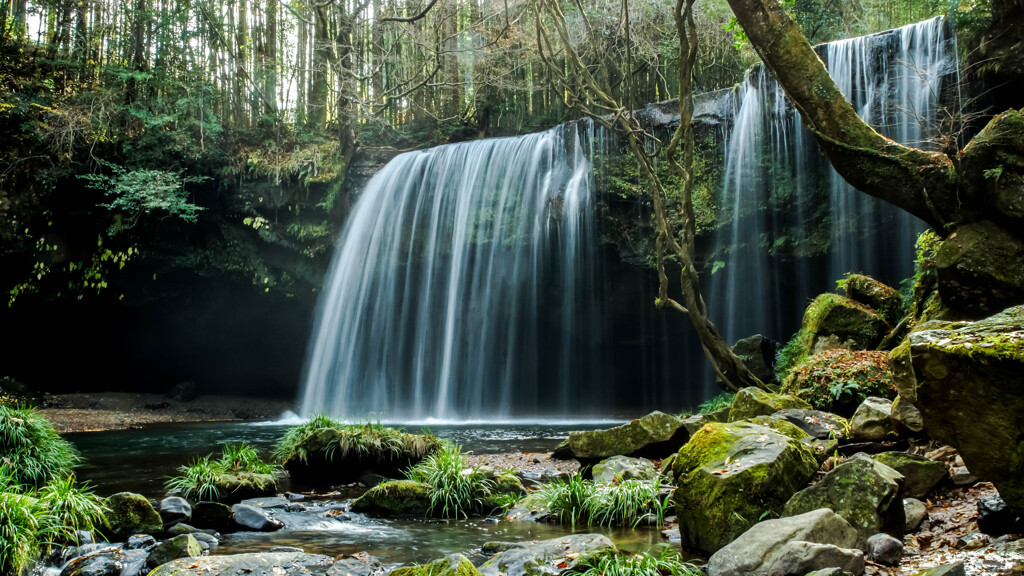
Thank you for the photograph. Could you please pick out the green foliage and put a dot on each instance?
(839, 380)
(456, 488)
(668, 563)
(200, 480)
(23, 531)
(141, 192)
(720, 401)
(369, 441)
(575, 500)
(73, 508)
(32, 448)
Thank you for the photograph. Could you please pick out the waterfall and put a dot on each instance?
(463, 285)
(770, 260)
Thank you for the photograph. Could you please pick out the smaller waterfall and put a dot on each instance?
(789, 207)
(463, 285)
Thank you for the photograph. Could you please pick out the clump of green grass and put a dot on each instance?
(666, 564)
(332, 439)
(723, 400)
(32, 448)
(73, 507)
(567, 498)
(627, 503)
(200, 480)
(456, 488)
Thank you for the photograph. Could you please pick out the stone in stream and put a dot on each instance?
(183, 546)
(175, 509)
(141, 542)
(653, 436)
(548, 557)
(253, 518)
(617, 468)
(100, 565)
(397, 497)
(795, 545)
(358, 564)
(212, 515)
(453, 565)
(255, 563)
(131, 513)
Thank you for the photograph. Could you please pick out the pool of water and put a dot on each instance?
(141, 460)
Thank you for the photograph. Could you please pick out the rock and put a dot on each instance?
(819, 424)
(920, 474)
(884, 549)
(186, 391)
(140, 542)
(212, 515)
(562, 451)
(839, 380)
(980, 268)
(618, 468)
(209, 540)
(830, 572)
(751, 402)
(293, 497)
(454, 565)
(99, 565)
(961, 476)
(866, 493)
(233, 488)
(947, 570)
(131, 513)
(174, 510)
(833, 321)
(872, 421)
(972, 541)
(915, 512)
(358, 564)
(758, 354)
(729, 475)
(883, 299)
(666, 469)
(906, 417)
(536, 559)
(257, 563)
(248, 517)
(653, 436)
(184, 546)
(397, 497)
(321, 457)
(795, 545)
(268, 503)
(996, 519)
(968, 382)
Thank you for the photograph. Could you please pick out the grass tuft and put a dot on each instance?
(668, 563)
(627, 503)
(199, 480)
(456, 488)
(365, 442)
(32, 448)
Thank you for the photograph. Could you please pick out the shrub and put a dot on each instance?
(32, 448)
(624, 504)
(456, 489)
(72, 508)
(666, 564)
(23, 529)
(839, 380)
(200, 479)
(723, 400)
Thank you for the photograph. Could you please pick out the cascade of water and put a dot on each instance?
(464, 284)
(893, 79)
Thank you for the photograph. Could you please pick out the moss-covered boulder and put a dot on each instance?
(131, 513)
(839, 380)
(920, 474)
(879, 297)
(395, 498)
(832, 321)
(454, 565)
(255, 563)
(213, 516)
(653, 436)
(817, 423)
(729, 475)
(233, 488)
(866, 493)
(618, 468)
(981, 268)
(183, 546)
(751, 402)
(545, 558)
(969, 385)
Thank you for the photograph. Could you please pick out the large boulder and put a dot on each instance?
(796, 545)
(653, 436)
(332, 455)
(729, 475)
(968, 382)
(253, 518)
(129, 513)
(866, 493)
(981, 268)
(174, 510)
(751, 402)
(757, 353)
(183, 546)
(872, 422)
(232, 488)
(454, 565)
(547, 557)
(833, 321)
(213, 516)
(879, 297)
(618, 468)
(396, 497)
(839, 380)
(256, 563)
(919, 473)
(816, 423)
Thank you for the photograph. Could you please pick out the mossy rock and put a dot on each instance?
(729, 476)
(617, 468)
(454, 565)
(129, 513)
(866, 493)
(981, 268)
(920, 474)
(395, 498)
(547, 557)
(181, 546)
(879, 297)
(653, 436)
(969, 384)
(332, 455)
(839, 380)
(751, 402)
(212, 515)
(234, 488)
(817, 423)
(253, 563)
(781, 425)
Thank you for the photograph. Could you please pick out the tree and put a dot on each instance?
(593, 94)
